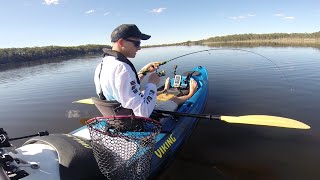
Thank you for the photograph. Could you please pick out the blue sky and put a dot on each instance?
(28, 23)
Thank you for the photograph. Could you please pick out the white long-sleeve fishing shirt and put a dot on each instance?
(118, 82)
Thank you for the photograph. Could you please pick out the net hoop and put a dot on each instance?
(123, 145)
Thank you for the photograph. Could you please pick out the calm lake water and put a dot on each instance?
(286, 83)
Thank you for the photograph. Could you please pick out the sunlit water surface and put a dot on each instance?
(271, 81)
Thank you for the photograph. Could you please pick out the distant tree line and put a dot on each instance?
(282, 39)
(261, 37)
(17, 55)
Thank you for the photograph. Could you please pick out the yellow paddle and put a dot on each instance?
(161, 97)
(84, 101)
(262, 120)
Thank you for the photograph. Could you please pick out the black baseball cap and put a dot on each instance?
(125, 31)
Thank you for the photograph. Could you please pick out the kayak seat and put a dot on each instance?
(110, 108)
(193, 73)
(75, 155)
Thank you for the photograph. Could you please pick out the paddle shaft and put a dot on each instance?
(264, 120)
(203, 116)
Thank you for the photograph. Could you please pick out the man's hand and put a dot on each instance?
(151, 67)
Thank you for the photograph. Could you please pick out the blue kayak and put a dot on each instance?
(180, 128)
(69, 156)
(175, 130)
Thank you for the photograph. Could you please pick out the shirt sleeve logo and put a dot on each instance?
(134, 87)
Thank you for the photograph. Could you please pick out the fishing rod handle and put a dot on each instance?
(146, 71)
(44, 133)
(162, 63)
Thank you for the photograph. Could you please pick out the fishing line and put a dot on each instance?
(235, 49)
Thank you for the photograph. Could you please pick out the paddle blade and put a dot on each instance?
(265, 120)
(84, 101)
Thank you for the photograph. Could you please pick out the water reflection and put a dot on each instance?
(39, 98)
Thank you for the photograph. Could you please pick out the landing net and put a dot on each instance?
(123, 145)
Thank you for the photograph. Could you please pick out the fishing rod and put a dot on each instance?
(217, 49)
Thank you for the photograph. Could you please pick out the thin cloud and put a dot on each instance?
(158, 10)
(237, 17)
(279, 15)
(90, 11)
(289, 18)
(241, 17)
(106, 13)
(283, 16)
(51, 2)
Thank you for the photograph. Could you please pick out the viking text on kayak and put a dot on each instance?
(165, 146)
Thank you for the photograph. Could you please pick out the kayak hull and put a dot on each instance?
(43, 161)
(179, 129)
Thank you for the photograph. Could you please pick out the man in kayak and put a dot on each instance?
(116, 78)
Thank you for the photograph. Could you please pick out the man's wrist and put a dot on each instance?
(140, 75)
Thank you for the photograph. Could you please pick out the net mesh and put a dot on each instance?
(123, 145)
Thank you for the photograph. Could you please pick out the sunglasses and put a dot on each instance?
(136, 43)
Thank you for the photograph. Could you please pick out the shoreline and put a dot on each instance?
(11, 57)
